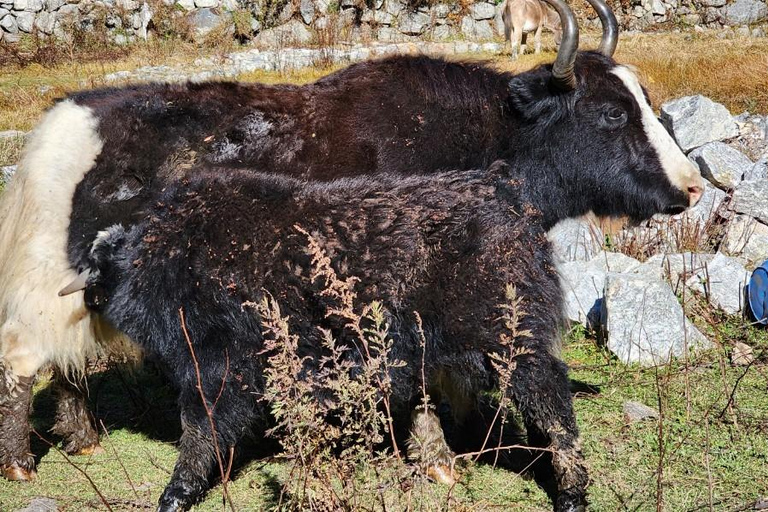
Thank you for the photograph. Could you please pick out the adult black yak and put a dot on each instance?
(97, 157)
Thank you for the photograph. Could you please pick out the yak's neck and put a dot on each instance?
(552, 191)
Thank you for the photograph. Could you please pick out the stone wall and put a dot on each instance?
(298, 22)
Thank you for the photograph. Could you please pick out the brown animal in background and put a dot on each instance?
(523, 16)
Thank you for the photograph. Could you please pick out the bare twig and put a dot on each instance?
(208, 411)
(119, 461)
(78, 468)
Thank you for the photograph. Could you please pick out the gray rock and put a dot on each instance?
(188, 5)
(6, 173)
(204, 21)
(583, 284)
(389, 35)
(394, 7)
(498, 20)
(292, 33)
(746, 12)
(696, 120)
(751, 198)
(45, 22)
(414, 23)
(758, 32)
(657, 7)
(26, 21)
(441, 10)
(747, 238)
(28, 5)
(742, 354)
(721, 164)
(52, 5)
(722, 281)
(286, 13)
(307, 11)
(758, 171)
(41, 505)
(712, 3)
(635, 411)
(643, 323)
(576, 239)
(708, 206)
(442, 33)
(482, 11)
(9, 24)
(743, 31)
(144, 17)
(476, 30)
(675, 268)
(209, 4)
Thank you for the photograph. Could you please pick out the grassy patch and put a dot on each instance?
(711, 443)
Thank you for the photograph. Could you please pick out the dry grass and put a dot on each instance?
(733, 72)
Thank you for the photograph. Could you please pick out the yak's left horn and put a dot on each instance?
(76, 285)
(610, 27)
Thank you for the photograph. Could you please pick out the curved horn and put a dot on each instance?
(610, 27)
(563, 76)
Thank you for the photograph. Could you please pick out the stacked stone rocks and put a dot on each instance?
(296, 21)
(636, 306)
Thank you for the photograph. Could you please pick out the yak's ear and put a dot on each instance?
(533, 97)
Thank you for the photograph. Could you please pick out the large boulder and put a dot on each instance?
(205, 21)
(721, 164)
(482, 11)
(696, 120)
(292, 33)
(476, 30)
(642, 321)
(747, 238)
(414, 23)
(746, 12)
(575, 239)
(722, 281)
(751, 198)
(583, 284)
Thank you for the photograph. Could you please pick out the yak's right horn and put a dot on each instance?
(563, 75)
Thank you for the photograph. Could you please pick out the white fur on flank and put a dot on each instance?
(680, 171)
(36, 325)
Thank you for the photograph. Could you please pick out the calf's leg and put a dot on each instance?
(541, 392)
(427, 446)
(73, 420)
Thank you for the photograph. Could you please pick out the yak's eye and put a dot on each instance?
(614, 117)
(616, 114)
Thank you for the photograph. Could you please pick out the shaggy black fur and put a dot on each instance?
(405, 115)
(445, 246)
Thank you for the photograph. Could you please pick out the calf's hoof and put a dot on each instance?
(16, 473)
(94, 449)
(442, 473)
(571, 502)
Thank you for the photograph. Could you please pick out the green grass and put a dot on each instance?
(705, 447)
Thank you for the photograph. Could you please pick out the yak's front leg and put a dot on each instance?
(74, 422)
(541, 392)
(16, 459)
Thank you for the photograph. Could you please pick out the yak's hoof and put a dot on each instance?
(94, 449)
(442, 473)
(16, 473)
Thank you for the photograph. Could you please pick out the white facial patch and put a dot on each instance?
(679, 170)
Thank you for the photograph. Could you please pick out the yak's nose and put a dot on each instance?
(695, 191)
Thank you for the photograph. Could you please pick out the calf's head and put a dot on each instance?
(589, 120)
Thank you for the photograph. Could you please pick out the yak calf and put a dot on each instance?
(446, 246)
